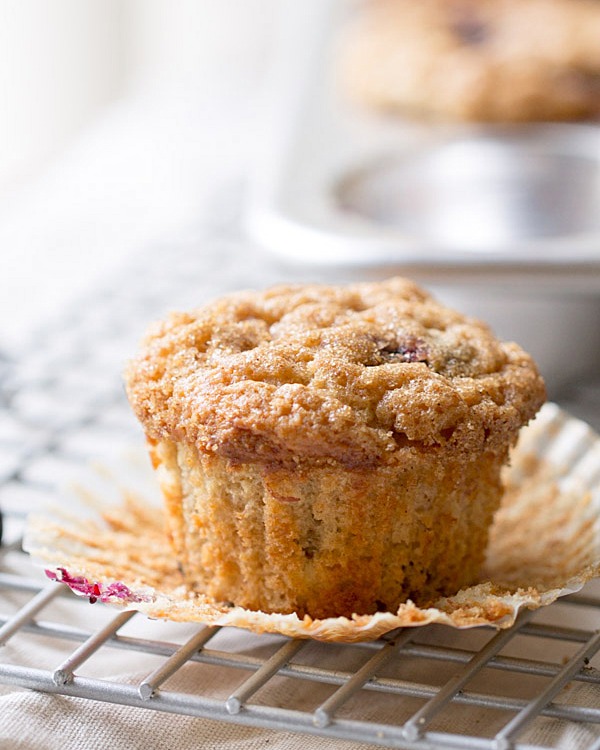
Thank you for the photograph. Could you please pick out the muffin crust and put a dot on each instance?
(362, 376)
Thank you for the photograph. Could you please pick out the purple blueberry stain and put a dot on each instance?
(409, 349)
(469, 28)
(93, 590)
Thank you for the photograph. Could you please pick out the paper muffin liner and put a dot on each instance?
(109, 544)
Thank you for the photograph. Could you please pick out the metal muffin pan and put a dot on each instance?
(502, 222)
(520, 193)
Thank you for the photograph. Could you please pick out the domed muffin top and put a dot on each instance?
(358, 374)
(490, 60)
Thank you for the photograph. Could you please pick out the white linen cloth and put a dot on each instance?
(49, 722)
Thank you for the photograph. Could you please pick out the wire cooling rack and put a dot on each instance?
(62, 403)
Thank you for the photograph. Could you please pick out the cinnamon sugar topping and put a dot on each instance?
(348, 374)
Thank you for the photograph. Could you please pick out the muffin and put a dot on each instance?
(330, 450)
(484, 60)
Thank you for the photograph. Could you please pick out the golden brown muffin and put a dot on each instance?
(330, 450)
(486, 60)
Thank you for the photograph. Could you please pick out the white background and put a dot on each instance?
(116, 116)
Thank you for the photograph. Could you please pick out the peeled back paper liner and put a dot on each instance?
(110, 545)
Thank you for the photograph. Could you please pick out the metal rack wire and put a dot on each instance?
(62, 401)
(328, 718)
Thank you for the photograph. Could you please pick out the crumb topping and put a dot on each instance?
(355, 374)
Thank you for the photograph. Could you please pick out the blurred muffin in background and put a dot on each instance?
(480, 60)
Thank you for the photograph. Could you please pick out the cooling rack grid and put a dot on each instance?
(415, 684)
(62, 402)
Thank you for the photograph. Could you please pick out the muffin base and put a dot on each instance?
(318, 541)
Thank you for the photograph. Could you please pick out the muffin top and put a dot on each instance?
(358, 374)
(498, 60)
